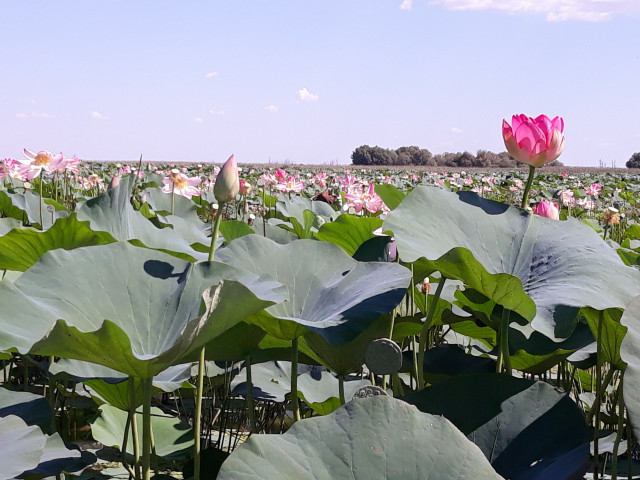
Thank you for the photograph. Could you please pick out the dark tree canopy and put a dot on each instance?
(634, 161)
(378, 156)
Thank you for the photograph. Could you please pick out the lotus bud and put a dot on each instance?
(227, 183)
(251, 219)
(245, 188)
(113, 183)
(425, 286)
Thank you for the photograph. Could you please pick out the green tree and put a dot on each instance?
(634, 161)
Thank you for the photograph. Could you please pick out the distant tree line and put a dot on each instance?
(378, 156)
(634, 161)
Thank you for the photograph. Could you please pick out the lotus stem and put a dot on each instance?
(425, 330)
(341, 389)
(125, 440)
(41, 202)
(616, 443)
(527, 187)
(216, 231)
(173, 199)
(197, 420)
(294, 381)
(134, 429)
(605, 383)
(250, 409)
(599, 389)
(146, 428)
(504, 359)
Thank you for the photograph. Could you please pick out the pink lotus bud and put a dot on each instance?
(547, 209)
(227, 183)
(245, 188)
(113, 183)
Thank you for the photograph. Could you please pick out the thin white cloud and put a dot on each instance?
(554, 10)
(406, 5)
(199, 120)
(456, 130)
(211, 74)
(23, 115)
(98, 116)
(216, 112)
(305, 95)
(271, 108)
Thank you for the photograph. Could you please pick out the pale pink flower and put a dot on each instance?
(290, 185)
(593, 190)
(268, 178)
(567, 197)
(44, 160)
(367, 199)
(468, 181)
(587, 204)
(320, 179)
(180, 184)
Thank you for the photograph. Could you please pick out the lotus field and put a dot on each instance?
(192, 321)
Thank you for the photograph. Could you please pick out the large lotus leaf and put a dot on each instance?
(515, 422)
(612, 333)
(270, 381)
(329, 292)
(390, 195)
(296, 206)
(348, 232)
(232, 345)
(26, 208)
(8, 224)
(320, 390)
(114, 387)
(512, 257)
(21, 446)
(630, 353)
(22, 247)
(182, 206)
(112, 212)
(171, 436)
(378, 437)
(273, 232)
(57, 458)
(33, 409)
(131, 309)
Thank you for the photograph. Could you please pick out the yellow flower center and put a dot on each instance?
(179, 181)
(42, 159)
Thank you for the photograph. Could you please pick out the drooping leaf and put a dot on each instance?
(348, 231)
(378, 437)
(33, 409)
(543, 269)
(390, 195)
(515, 422)
(630, 353)
(21, 446)
(135, 310)
(57, 457)
(232, 229)
(172, 437)
(329, 292)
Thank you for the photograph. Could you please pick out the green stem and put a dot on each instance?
(173, 199)
(41, 202)
(599, 389)
(504, 358)
(341, 389)
(294, 380)
(425, 330)
(197, 420)
(527, 187)
(134, 428)
(216, 231)
(250, 410)
(146, 428)
(616, 443)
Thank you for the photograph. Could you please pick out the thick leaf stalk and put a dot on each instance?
(425, 331)
(527, 187)
(146, 428)
(504, 358)
(295, 406)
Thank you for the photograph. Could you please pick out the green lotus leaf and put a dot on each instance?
(57, 458)
(7, 224)
(348, 232)
(22, 247)
(182, 206)
(26, 207)
(516, 423)
(33, 409)
(630, 353)
(21, 446)
(112, 212)
(545, 270)
(378, 437)
(171, 436)
(135, 310)
(329, 292)
(232, 229)
(612, 334)
(296, 206)
(390, 195)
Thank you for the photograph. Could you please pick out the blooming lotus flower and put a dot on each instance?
(593, 190)
(37, 162)
(368, 200)
(290, 185)
(535, 142)
(180, 184)
(547, 209)
(227, 183)
(280, 175)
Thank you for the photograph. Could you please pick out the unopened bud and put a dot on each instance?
(425, 286)
(227, 183)
(113, 183)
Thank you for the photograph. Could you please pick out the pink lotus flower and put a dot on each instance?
(180, 184)
(43, 160)
(593, 190)
(535, 142)
(280, 175)
(547, 209)
(290, 185)
(245, 188)
(567, 197)
(368, 200)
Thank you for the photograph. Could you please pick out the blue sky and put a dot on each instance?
(308, 81)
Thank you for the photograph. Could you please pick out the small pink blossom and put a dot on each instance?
(547, 209)
(593, 190)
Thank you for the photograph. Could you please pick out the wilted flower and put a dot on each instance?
(535, 142)
(547, 209)
(245, 188)
(611, 216)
